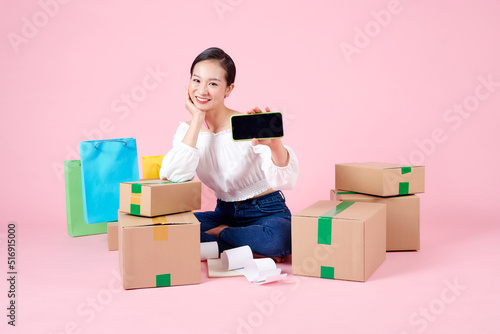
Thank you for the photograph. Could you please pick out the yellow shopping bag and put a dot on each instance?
(151, 166)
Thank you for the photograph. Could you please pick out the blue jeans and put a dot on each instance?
(263, 223)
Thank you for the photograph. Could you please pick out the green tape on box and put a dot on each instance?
(138, 185)
(327, 272)
(136, 188)
(405, 170)
(325, 222)
(135, 209)
(325, 230)
(338, 209)
(347, 193)
(163, 280)
(404, 188)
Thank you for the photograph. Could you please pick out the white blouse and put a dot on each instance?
(234, 170)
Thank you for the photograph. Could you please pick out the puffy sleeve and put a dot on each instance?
(180, 163)
(279, 178)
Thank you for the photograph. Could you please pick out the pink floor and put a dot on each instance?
(72, 285)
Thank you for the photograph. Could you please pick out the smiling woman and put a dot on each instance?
(246, 176)
(207, 88)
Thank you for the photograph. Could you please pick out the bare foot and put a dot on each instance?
(279, 259)
(216, 230)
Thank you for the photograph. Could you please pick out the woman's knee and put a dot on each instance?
(208, 220)
(280, 241)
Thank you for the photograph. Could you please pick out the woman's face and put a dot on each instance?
(207, 87)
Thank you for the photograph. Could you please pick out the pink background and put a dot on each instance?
(391, 98)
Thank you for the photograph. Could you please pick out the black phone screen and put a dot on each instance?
(260, 126)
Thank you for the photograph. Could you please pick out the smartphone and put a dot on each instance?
(266, 125)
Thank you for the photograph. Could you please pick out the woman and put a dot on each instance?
(245, 176)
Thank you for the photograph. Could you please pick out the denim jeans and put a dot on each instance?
(263, 223)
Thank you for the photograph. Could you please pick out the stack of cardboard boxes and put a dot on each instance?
(373, 209)
(157, 234)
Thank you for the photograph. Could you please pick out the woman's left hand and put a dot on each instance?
(278, 151)
(267, 142)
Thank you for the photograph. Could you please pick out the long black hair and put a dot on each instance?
(224, 59)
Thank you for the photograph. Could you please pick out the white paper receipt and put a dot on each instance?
(258, 271)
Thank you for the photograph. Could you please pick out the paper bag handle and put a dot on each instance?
(110, 141)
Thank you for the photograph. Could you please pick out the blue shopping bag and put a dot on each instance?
(105, 164)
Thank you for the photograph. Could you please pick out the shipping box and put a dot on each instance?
(339, 240)
(157, 197)
(160, 251)
(379, 179)
(403, 217)
(113, 236)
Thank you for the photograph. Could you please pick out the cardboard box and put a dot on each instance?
(113, 236)
(159, 251)
(380, 179)
(157, 197)
(403, 217)
(339, 240)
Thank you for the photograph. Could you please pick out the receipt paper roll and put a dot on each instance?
(236, 258)
(209, 250)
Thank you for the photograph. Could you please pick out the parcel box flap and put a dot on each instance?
(377, 165)
(341, 210)
(343, 195)
(128, 220)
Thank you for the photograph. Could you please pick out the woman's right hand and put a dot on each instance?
(195, 112)
(196, 123)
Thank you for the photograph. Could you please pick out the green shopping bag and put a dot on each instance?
(74, 202)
